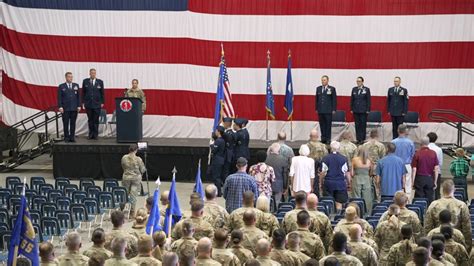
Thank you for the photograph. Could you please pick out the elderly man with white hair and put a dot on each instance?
(280, 167)
(336, 176)
(302, 171)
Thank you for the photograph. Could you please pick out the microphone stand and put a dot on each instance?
(146, 173)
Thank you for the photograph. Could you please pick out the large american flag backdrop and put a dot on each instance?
(173, 48)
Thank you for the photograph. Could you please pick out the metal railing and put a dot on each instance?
(454, 119)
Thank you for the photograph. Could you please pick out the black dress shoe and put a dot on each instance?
(72, 140)
(90, 137)
(66, 140)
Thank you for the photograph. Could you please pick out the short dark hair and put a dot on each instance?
(445, 216)
(92, 69)
(248, 198)
(68, 73)
(117, 218)
(331, 261)
(261, 156)
(325, 76)
(98, 236)
(438, 236)
(374, 133)
(397, 77)
(197, 205)
(236, 236)
(339, 242)
(220, 236)
(407, 231)
(300, 197)
(424, 242)
(421, 256)
(279, 237)
(447, 231)
(361, 78)
(133, 147)
(391, 147)
(438, 248)
(149, 201)
(432, 137)
(302, 218)
(311, 262)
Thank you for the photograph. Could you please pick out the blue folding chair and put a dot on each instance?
(50, 226)
(5, 194)
(48, 209)
(69, 189)
(63, 203)
(53, 194)
(93, 191)
(84, 183)
(109, 184)
(10, 181)
(44, 188)
(120, 195)
(35, 181)
(61, 182)
(37, 201)
(78, 196)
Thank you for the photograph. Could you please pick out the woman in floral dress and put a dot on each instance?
(263, 174)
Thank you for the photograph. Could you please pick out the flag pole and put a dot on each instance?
(266, 93)
(15, 251)
(291, 128)
(174, 171)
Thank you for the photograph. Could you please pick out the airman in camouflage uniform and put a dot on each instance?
(204, 248)
(317, 149)
(388, 233)
(235, 220)
(201, 227)
(348, 149)
(220, 253)
(118, 218)
(407, 216)
(133, 169)
(145, 245)
(98, 250)
(262, 249)
(268, 222)
(279, 253)
(351, 218)
(46, 253)
(339, 245)
(458, 237)
(294, 247)
(359, 249)
(311, 244)
(375, 147)
(251, 234)
(118, 247)
(457, 250)
(136, 92)
(459, 213)
(321, 223)
(242, 253)
(401, 253)
(215, 214)
(72, 256)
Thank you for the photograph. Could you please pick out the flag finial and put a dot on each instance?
(174, 171)
(222, 49)
(158, 181)
(289, 52)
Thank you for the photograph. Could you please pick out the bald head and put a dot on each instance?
(355, 232)
(314, 135)
(351, 213)
(275, 148)
(73, 241)
(204, 247)
(211, 192)
(312, 201)
(263, 247)
(164, 197)
(281, 136)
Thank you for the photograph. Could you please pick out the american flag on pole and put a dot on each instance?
(228, 109)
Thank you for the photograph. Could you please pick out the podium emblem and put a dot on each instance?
(125, 105)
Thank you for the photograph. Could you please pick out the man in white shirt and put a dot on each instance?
(439, 153)
(302, 171)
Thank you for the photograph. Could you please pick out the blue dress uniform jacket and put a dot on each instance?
(242, 144)
(92, 94)
(360, 100)
(218, 152)
(229, 138)
(326, 100)
(397, 102)
(68, 98)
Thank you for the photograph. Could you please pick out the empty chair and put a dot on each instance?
(64, 219)
(331, 205)
(18, 188)
(60, 182)
(323, 209)
(48, 209)
(35, 181)
(29, 193)
(38, 232)
(339, 118)
(120, 195)
(84, 183)
(5, 237)
(92, 205)
(53, 194)
(5, 194)
(63, 203)
(93, 191)
(109, 183)
(10, 181)
(37, 201)
(50, 226)
(12, 221)
(4, 226)
(44, 188)
(284, 209)
(69, 189)
(106, 200)
(35, 216)
(4, 215)
(411, 119)
(79, 212)
(78, 196)
(13, 200)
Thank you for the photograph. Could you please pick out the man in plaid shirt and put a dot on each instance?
(236, 184)
(459, 168)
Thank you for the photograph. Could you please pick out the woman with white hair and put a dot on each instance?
(302, 171)
(268, 222)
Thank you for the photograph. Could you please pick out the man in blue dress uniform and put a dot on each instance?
(397, 105)
(326, 103)
(242, 139)
(360, 108)
(93, 101)
(69, 106)
(229, 138)
(218, 158)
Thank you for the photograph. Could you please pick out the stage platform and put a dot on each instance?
(100, 159)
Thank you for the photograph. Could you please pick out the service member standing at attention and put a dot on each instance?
(229, 138)
(397, 105)
(133, 169)
(326, 101)
(136, 92)
(218, 159)
(69, 106)
(93, 101)
(360, 108)
(242, 139)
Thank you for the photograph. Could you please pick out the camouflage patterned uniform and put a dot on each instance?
(322, 227)
(266, 261)
(206, 262)
(225, 257)
(132, 242)
(311, 244)
(449, 259)
(251, 236)
(457, 235)
(133, 168)
(144, 260)
(348, 149)
(284, 257)
(372, 243)
(343, 258)
(215, 214)
(269, 223)
(119, 261)
(432, 262)
(98, 252)
(317, 150)
(183, 243)
(458, 251)
(55, 262)
(137, 93)
(459, 213)
(401, 253)
(201, 229)
(236, 221)
(387, 235)
(376, 150)
(73, 258)
(289, 221)
(363, 252)
(137, 230)
(344, 226)
(242, 253)
(409, 217)
(300, 255)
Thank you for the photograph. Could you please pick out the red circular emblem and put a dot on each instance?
(125, 105)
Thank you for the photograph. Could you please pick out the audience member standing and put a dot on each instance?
(336, 175)
(459, 169)
(361, 170)
(264, 175)
(285, 150)
(317, 151)
(236, 184)
(302, 171)
(405, 149)
(425, 171)
(280, 167)
(391, 173)
(133, 169)
(439, 153)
